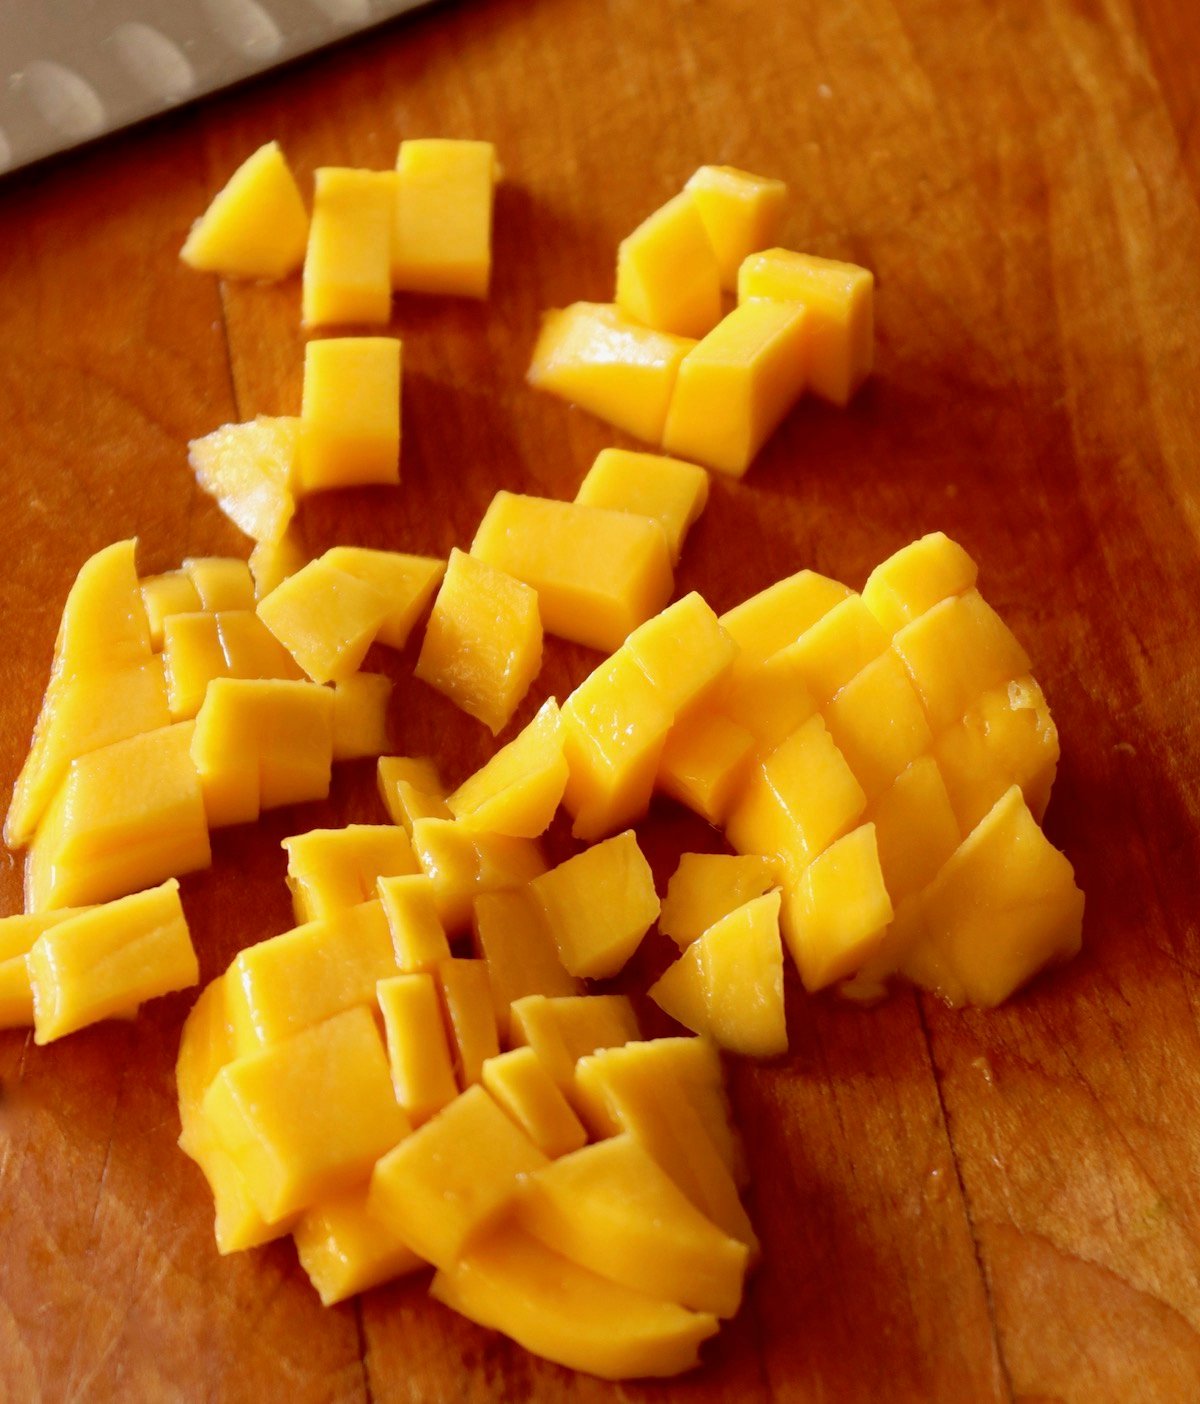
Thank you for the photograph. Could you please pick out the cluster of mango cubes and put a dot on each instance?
(393, 1105)
(667, 365)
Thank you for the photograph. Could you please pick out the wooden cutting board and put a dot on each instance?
(955, 1206)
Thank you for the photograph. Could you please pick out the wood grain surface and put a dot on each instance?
(955, 1206)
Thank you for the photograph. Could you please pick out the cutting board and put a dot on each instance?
(954, 1205)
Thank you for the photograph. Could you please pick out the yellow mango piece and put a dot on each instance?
(307, 1118)
(250, 649)
(418, 1050)
(736, 970)
(798, 800)
(271, 562)
(878, 723)
(611, 1208)
(915, 829)
(262, 744)
(957, 651)
(708, 886)
(345, 1249)
(408, 583)
(840, 301)
(418, 937)
(594, 356)
(518, 791)
(598, 574)
(835, 649)
(238, 1224)
(683, 650)
(442, 225)
(525, 1091)
(103, 624)
(667, 272)
(769, 699)
(615, 725)
(222, 582)
(250, 469)
(106, 962)
(467, 1001)
(704, 763)
(164, 595)
(462, 864)
(483, 642)
(411, 788)
(126, 816)
(563, 1029)
(331, 870)
(915, 578)
(325, 619)
(206, 1043)
(777, 616)
(360, 716)
(228, 643)
(835, 918)
(735, 386)
(350, 413)
(667, 490)
(347, 264)
(741, 213)
(447, 1181)
(511, 936)
(1008, 737)
(293, 982)
(1004, 905)
(510, 1282)
(256, 226)
(17, 936)
(598, 905)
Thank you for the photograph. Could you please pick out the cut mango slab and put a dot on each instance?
(106, 962)
(915, 828)
(778, 615)
(126, 816)
(564, 1029)
(518, 791)
(707, 886)
(878, 723)
(206, 1044)
(443, 1184)
(222, 582)
(741, 213)
(347, 265)
(768, 699)
(684, 651)
(598, 905)
(705, 762)
(525, 1091)
(360, 716)
(250, 469)
(325, 619)
(467, 1002)
(598, 574)
(418, 937)
(228, 643)
(839, 298)
(442, 225)
(238, 1223)
(915, 578)
(167, 594)
(418, 1051)
(834, 649)
(611, 1208)
(411, 789)
(332, 870)
(307, 1118)
(667, 490)
(256, 226)
(735, 386)
(350, 413)
(511, 936)
(461, 865)
(408, 583)
(510, 1282)
(271, 562)
(17, 935)
(729, 982)
(104, 624)
(667, 272)
(483, 642)
(345, 1249)
(616, 368)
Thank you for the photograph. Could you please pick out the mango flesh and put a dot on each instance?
(347, 263)
(228, 643)
(256, 225)
(325, 619)
(708, 886)
(461, 865)
(345, 1249)
(360, 716)
(704, 763)
(250, 469)
(741, 213)
(408, 583)
(442, 220)
(684, 651)
(563, 1029)
(221, 582)
(411, 788)
(915, 578)
(667, 273)
(525, 1091)
(778, 615)
(518, 791)
(17, 936)
(271, 562)
(667, 490)
(418, 1050)
(163, 595)
(511, 935)
(333, 870)
(467, 1002)
(350, 421)
(411, 906)
(878, 723)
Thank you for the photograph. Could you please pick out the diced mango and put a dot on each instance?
(271, 562)
(667, 490)
(345, 1249)
(835, 649)
(599, 904)
(17, 935)
(442, 225)
(915, 578)
(467, 1002)
(512, 937)
(915, 828)
(228, 643)
(563, 1029)
(325, 619)
(104, 624)
(769, 699)
(447, 1181)
(594, 356)
(839, 299)
(684, 652)
(735, 386)
(518, 791)
(238, 1223)
(411, 788)
(347, 265)
(350, 413)
(250, 469)
(206, 1044)
(222, 582)
(418, 1050)
(707, 886)
(667, 272)
(332, 870)
(360, 716)
(462, 864)
(483, 642)
(106, 962)
(878, 723)
(418, 937)
(525, 1091)
(256, 225)
(778, 615)
(167, 594)
(704, 763)
(408, 583)
(741, 212)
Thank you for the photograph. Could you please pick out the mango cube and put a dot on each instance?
(167, 594)
(250, 469)
(667, 490)
(839, 299)
(238, 1222)
(684, 651)
(411, 788)
(418, 937)
(206, 1044)
(518, 791)
(17, 935)
(271, 562)
(667, 273)
(915, 578)
(878, 723)
(350, 413)
(563, 1029)
(915, 829)
(347, 265)
(228, 643)
(345, 1249)
(525, 1091)
(769, 699)
(408, 583)
(467, 1002)
(462, 864)
(325, 619)
(360, 716)
(256, 225)
(599, 904)
(418, 1050)
(483, 642)
(708, 886)
(596, 357)
(222, 582)
(778, 615)
(835, 648)
(511, 936)
(741, 213)
(103, 624)
(704, 763)
(735, 386)
(331, 870)
(442, 225)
